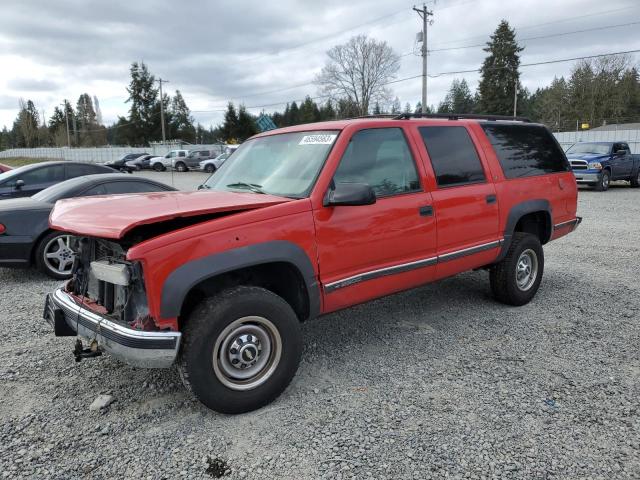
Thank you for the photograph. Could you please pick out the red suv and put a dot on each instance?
(300, 222)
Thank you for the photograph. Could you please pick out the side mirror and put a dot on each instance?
(350, 194)
(19, 184)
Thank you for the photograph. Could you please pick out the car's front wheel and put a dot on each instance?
(55, 254)
(210, 168)
(603, 181)
(158, 167)
(516, 278)
(241, 349)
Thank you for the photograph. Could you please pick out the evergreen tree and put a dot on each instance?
(407, 108)
(327, 112)
(396, 106)
(376, 108)
(458, 98)
(246, 124)
(309, 111)
(143, 96)
(25, 127)
(499, 72)
(181, 120)
(294, 114)
(230, 128)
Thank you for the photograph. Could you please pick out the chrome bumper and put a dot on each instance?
(135, 347)
(586, 177)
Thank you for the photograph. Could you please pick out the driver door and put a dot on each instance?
(367, 251)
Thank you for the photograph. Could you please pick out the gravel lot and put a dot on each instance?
(436, 382)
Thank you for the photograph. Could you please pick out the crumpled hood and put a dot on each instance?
(587, 157)
(112, 216)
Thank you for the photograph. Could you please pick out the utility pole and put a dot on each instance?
(164, 139)
(66, 117)
(515, 99)
(424, 14)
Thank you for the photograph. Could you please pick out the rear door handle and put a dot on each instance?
(426, 211)
(491, 199)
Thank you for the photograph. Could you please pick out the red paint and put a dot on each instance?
(340, 241)
(4, 168)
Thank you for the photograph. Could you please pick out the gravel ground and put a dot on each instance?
(436, 382)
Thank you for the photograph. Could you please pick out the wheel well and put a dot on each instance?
(281, 278)
(36, 243)
(535, 223)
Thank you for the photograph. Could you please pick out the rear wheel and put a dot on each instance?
(55, 255)
(241, 349)
(635, 180)
(181, 167)
(158, 167)
(515, 279)
(603, 181)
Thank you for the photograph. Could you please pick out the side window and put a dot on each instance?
(526, 150)
(97, 190)
(53, 173)
(380, 158)
(453, 156)
(79, 170)
(132, 187)
(181, 154)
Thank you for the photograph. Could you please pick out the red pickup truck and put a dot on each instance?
(303, 221)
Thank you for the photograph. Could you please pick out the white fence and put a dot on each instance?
(632, 137)
(100, 154)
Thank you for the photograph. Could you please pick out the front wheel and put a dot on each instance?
(241, 349)
(158, 167)
(603, 181)
(516, 278)
(210, 168)
(55, 254)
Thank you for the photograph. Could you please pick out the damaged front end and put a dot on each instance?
(106, 304)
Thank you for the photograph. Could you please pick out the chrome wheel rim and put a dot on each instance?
(526, 270)
(247, 353)
(605, 180)
(58, 254)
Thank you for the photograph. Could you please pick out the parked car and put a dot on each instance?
(4, 168)
(305, 221)
(120, 164)
(160, 164)
(192, 160)
(598, 163)
(25, 236)
(30, 179)
(213, 164)
(141, 163)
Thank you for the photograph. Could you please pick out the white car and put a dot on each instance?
(168, 161)
(213, 164)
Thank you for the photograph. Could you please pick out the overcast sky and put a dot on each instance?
(253, 51)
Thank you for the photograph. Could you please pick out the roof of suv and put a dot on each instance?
(373, 121)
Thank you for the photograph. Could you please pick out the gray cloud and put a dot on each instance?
(218, 50)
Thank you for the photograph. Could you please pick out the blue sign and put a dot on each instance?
(265, 123)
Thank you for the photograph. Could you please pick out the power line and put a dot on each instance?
(551, 35)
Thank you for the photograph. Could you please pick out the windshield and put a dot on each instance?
(58, 191)
(598, 148)
(285, 165)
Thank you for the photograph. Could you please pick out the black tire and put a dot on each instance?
(210, 168)
(47, 266)
(202, 358)
(158, 167)
(504, 277)
(181, 167)
(635, 180)
(603, 181)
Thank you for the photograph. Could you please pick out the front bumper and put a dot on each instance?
(135, 347)
(587, 176)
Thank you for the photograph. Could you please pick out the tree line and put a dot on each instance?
(598, 91)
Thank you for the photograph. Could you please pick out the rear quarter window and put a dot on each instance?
(526, 150)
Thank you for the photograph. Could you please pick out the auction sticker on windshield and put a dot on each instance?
(317, 139)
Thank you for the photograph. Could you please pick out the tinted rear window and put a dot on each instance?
(453, 156)
(526, 150)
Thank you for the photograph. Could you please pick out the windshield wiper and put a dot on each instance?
(254, 187)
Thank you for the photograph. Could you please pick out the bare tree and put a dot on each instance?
(359, 71)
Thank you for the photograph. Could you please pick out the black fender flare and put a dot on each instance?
(180, 282)
(518, 211)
